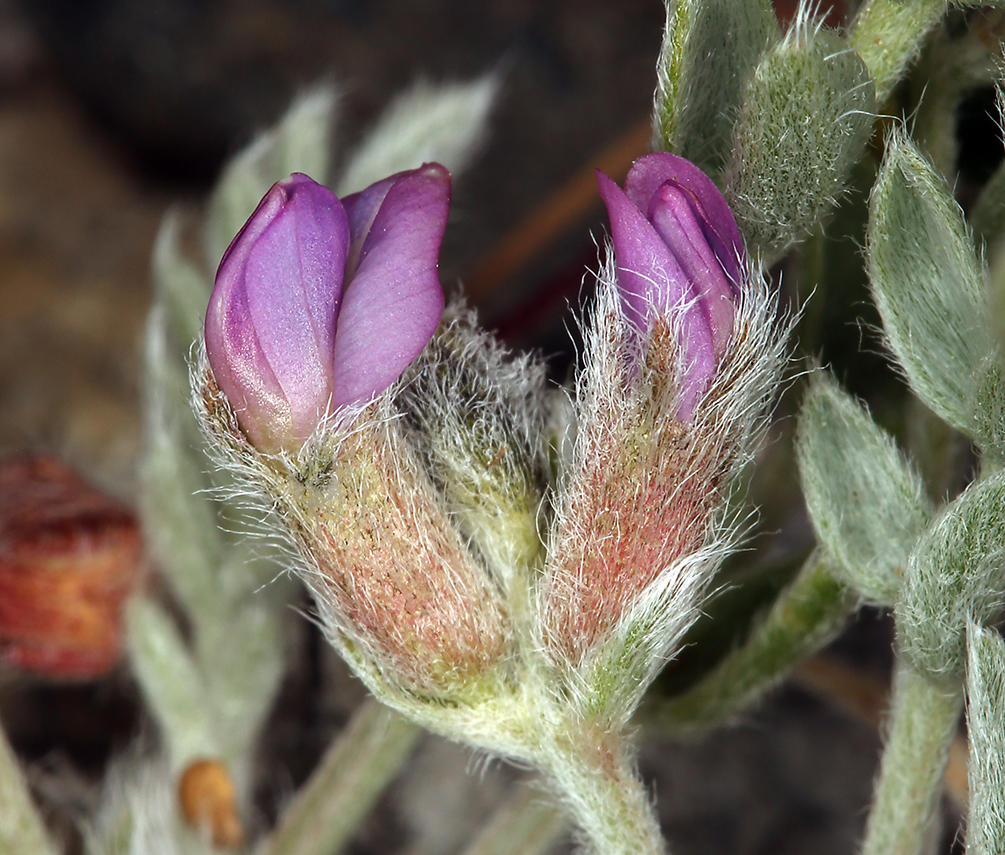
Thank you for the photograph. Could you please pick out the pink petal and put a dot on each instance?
(673, 215)
(394, 301)
(270, 326)
(648, 274)
(651, 171)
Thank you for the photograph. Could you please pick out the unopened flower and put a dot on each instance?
(69, 556)
(321, 303)
(641, 522)
(679, 255)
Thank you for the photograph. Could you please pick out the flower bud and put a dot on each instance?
(640, 519)
(319, 304)
(680, 256)
(352, 286)
(69, 556)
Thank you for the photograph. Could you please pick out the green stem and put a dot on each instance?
(888, 35)
(354, 771)
(21, 828)
(806, 615)
(923, 723)
(600, 784)
(527, 824)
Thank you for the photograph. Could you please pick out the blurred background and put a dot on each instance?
(111, 111)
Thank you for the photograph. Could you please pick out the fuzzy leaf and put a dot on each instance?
(22, 831)
(986, 728)
(988, 213)
(171, 681)
(710, 49)
(444, 123)
(242, 663)
(805, 119)
(987, 402)
(299, 143)
(888, 35)
(867, 503)
(927, 282)
(180, 286)
(956, 572)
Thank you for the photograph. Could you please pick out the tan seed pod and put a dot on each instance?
(208, 800)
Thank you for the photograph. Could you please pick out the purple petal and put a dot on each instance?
(241, 369)
(361, 209)
(648, 274)
(672, 213)
(651, 171)
(270, 327)
(650, 277)
(394, 301)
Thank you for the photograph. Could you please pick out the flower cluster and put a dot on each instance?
(470, 585)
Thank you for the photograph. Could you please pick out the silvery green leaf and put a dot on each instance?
(179, 518)
(888, 34)
(927, 282)
(956, 572)
(988, 405)
(445, 123)
(867, 503)
(301, 142)
(804, 121)
(987, 216)
(181, 287)
(986, 729)
(242, 662)
(178, 697)
(710, 49)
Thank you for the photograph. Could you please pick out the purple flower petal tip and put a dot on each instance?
(319, 304)
(679, 255)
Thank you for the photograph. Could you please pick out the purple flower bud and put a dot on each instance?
(679, 256)
(320, 303)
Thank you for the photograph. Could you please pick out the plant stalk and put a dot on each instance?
(922, 725)
(355, 770)
(599, 782)
(806, 615)
(888, 35)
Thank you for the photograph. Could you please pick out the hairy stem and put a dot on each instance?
(597, 777)
(353, 773)
(923, 722)
(806, 615)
